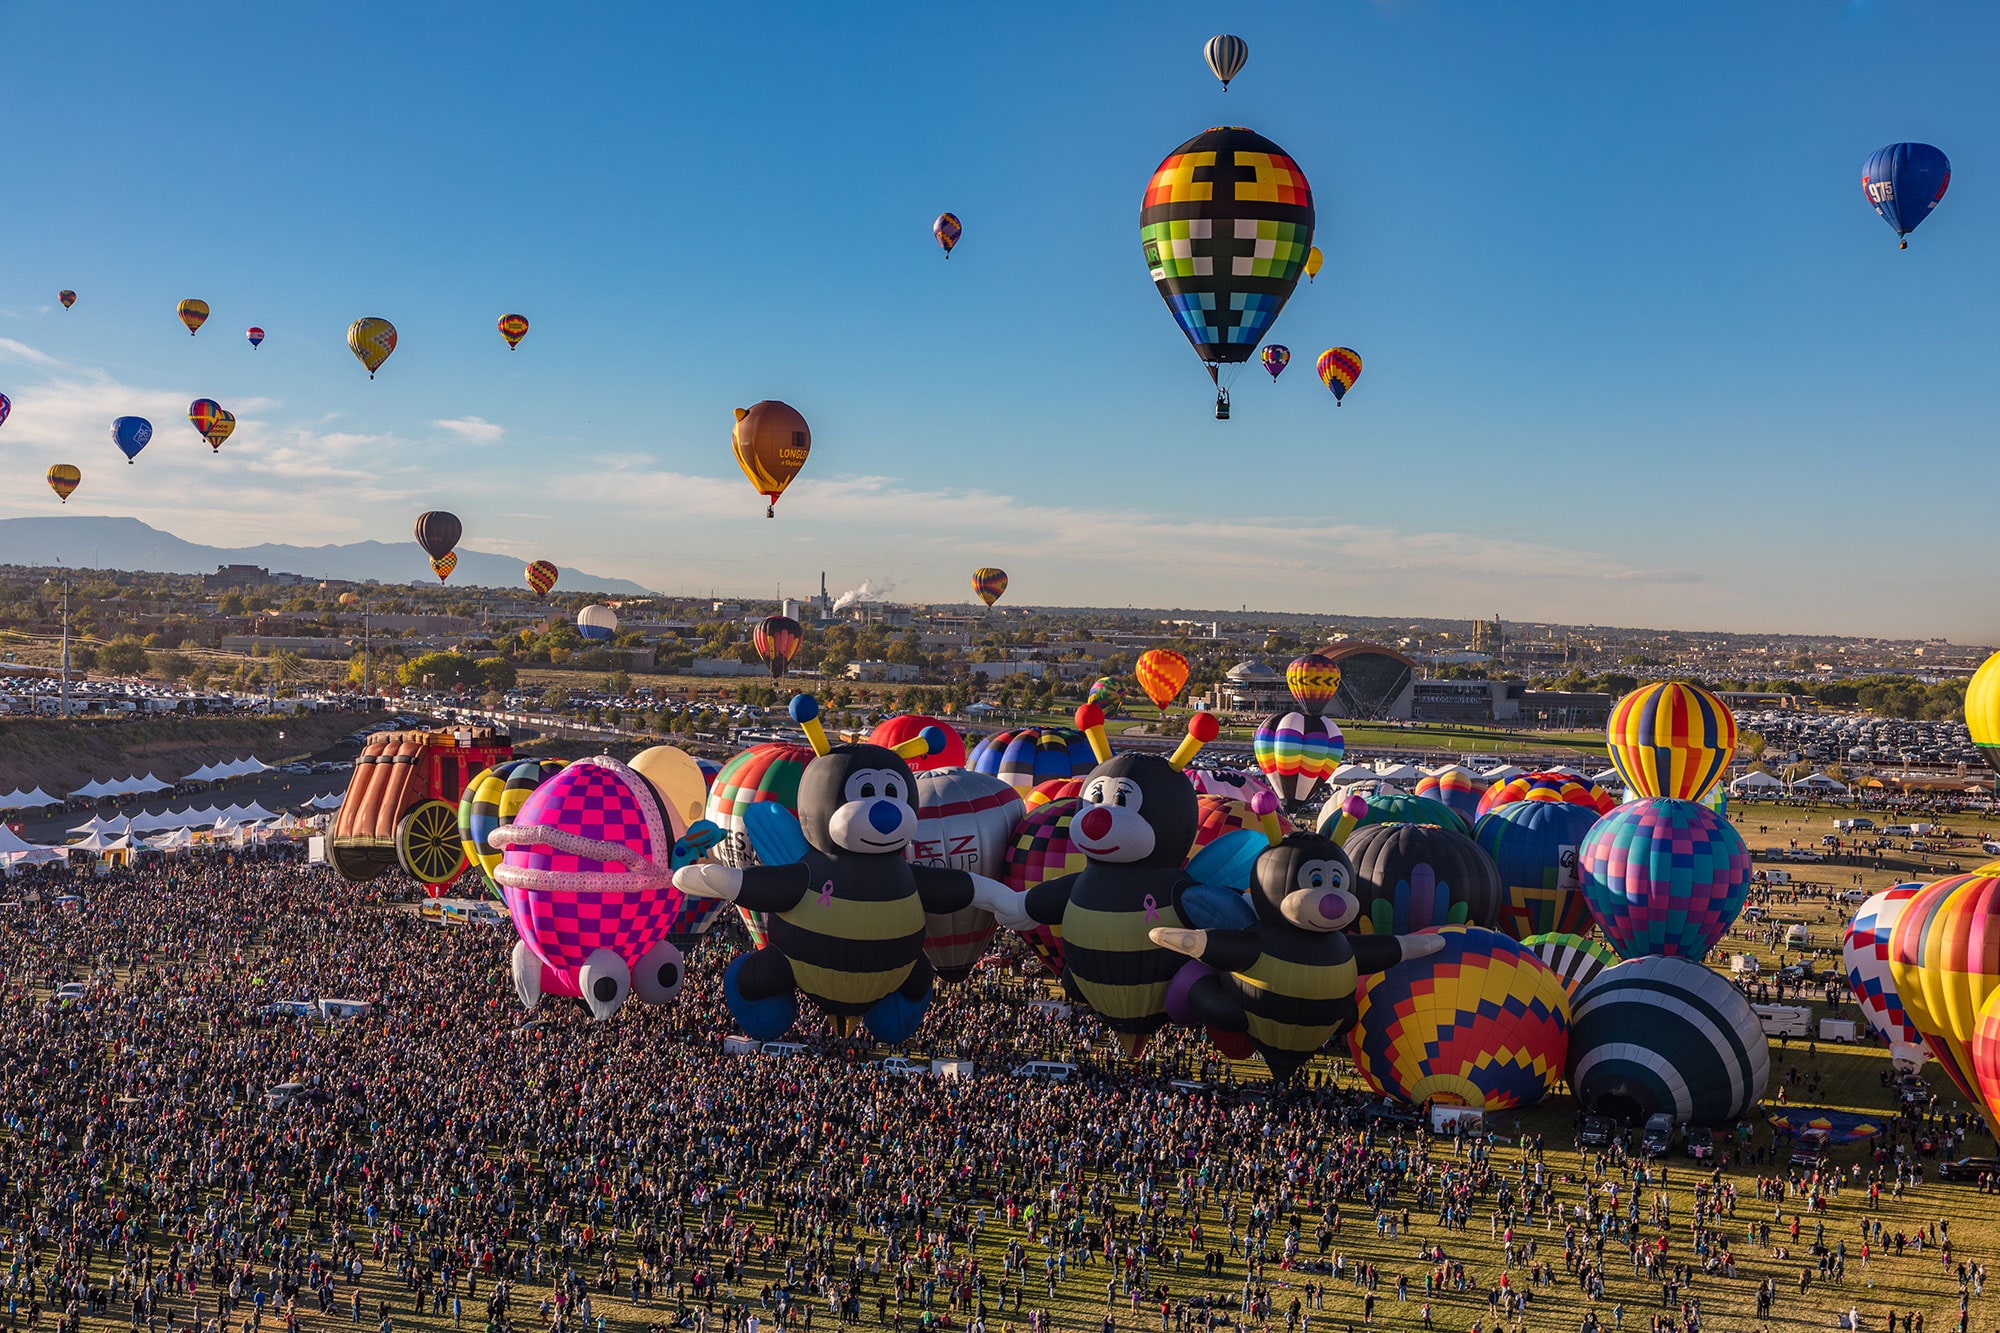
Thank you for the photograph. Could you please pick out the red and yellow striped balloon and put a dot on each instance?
(541, 576)
(1339, 367)
(513, 328)
(1671, 739)
(1944, 957)
(989, 585)
(1986, 1050)
(1161, 672)
(1313, 681)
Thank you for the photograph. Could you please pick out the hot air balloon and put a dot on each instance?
(1108, 693)
(1864, 952)
(371, 339)
(947, 230)
(1275, 358)
(1551, 785)
(63, 479)
(1671, 739)
(1222, 814)
(769, 771)
(1536, 846)
(1161, 673)
(1982, 710)
(1573, 958)
(513, 328)
(1410, 877)
(1297, 752)
(223, 427)
(540, 576)
(1224, 227)
(131, 434)
(1313, 261)
(1314, 680)
(1484, 1023)
(1986, 1052)
(1944, 957)
(891, 732)
(203, 413)
(771, 441)
(1225, 56)
(1030, 756)
(597, 622)
(67, 297)
(1456, 787)
(491, 800)
(255, 335)
(682, 782)
(350, 599)
(1396, 807)
(438, 532)
(777, 639)
(989, 585)
(1338, 368)
(1041, 850)
(194, 314)
(1665, 877)
(1665, 1034)
(442, 565)
(1904, 182)
(965, 821)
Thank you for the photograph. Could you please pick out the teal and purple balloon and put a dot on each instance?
(1665, 877)
(1537, 846)
(1904, 182)
(131, 434)
(1276, 357)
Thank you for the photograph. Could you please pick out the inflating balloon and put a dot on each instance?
(989, 585)
(1411, 877)
(1537, 847)
(1671, 739)
(67, 297)
(1225, 55)
(1456, 787)
(194, 314)
(442, 565)
(1313, 261)
(1297, 751)
(1482, 1023)
(513, 328)
(6, 407)
(597, 623)
(1029, 756)
(255, 335)
(350, 599)
(438, 532)
(1275, 358)
(1107, 692)
(681, 782)
(777, 640)
(765, 772)
(1572, 957)
(1338, 368)
(1314, 680)
(131, 434)
(771, 441)
(1864, 952)
(1944, 957)
(1665, 877)
(1398, 807)
(965, 821)
(203, 413)
(491, 800)
(1222, 815)
(371, 339)
(947, 231)
(1666, 1034)
(540, 576)
(1161, 673)
(1055, 789)
(1040, 849)
(1553, 785)
(63, 479)
(899, 730)
(1904, 182)
(1224, 228)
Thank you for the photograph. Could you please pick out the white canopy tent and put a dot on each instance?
(1818, 782)
(99, 824)
(1504, 773)
(28, 800)
(1607, 777)
(1398, 773)
(228, 768)
(134, 786)
(1353, 773)
(330, 801)
(1756, 782)
(16, 851)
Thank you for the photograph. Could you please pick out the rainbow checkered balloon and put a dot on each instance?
(1483, 1023)
(1297, 752)
(1665, 877)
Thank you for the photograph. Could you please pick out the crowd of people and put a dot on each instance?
(449, 1158)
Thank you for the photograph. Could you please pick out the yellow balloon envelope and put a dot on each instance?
(1944, 956)
(771, 440)
(1671, 739)
(1982, 710)
(677, 777)
(63, 479)
(1313, 260)
(371, 339)
(194, 314)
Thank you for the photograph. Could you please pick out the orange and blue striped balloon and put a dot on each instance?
(1339, 367)
(1671, 739)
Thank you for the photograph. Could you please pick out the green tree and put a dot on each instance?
(556, 698)
(439, 671)
(496, 673)
(172, 666)
(197, 678)
(82, 657)
(231, 604)
(125, 656)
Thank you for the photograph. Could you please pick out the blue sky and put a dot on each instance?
(1637, 351)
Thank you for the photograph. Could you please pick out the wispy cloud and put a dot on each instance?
(12, 349)
(472, 428)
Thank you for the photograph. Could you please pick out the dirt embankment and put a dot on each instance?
(58, 757)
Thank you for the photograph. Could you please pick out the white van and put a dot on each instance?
(70, 992)
(1783, 1020)
(1797, 937)
(1054, 1070)
(283, 1095)
(902, 1064)
(333, 1011)
(953, 1069)
(782, 1048)
(1743, 964)
(738, 1046)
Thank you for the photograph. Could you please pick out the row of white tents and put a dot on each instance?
(230, 768)
(206, 817)
(99, 788)
(28, 800)
(1389, 770)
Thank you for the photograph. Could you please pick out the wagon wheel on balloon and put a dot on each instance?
(427, 843)
(357, 862)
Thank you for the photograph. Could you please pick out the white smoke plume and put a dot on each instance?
(869, 591)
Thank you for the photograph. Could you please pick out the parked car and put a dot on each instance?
(1658, 1135)
(1967, 1168)
(1596, 1132)
(1707, 1145)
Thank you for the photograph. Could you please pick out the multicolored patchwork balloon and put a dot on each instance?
(1537, 846)
(1665, 877)
(513, 328)
(1944, 957)
(491, 801)
(1549, 785)
(769, 771)
(1275, 358)
(1484, 1023)
(1041, 850)
(1864, 952)
(1314, 680)
(1297, 752)
(1459, 788)
(1108, 693)
(1338, 368)
(1572, 957)
(1671, 739)
(1029, 756)
(1666, 1034)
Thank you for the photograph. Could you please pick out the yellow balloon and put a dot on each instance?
(193, 313)
(677, 777)
(1313, 260)
(371, 340)
(1982, 710)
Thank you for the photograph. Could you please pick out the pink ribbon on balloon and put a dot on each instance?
(1152, 908)
(826, 893)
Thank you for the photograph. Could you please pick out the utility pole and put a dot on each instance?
(65, 643)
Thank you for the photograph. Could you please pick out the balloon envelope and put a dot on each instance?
(1671, 739)
(1904, 182)
(1275, 358)
(1456, 787)
(193, 313)
(1666, 1034)
(63, 479)
(490, 801)
(1665, 877)
(1537, 846)
(1864, 952)
(1572, 957)
(597, 622)
(1026, 757)
(1484, 1023)
(965, 821)
(67, 297)
(947, 229)
(989, 584)
(1338, 368)
(438, 532)
(769, 771)
(513, 328)
(255, 335)
(1041, 850)
(893, 731)
(1549, 786)
(1161, 672)
(1982, 710)
(1297, 752)
(777, 640)
(131, 434)
(1412, 876)
(771, 441)
(1225, 55)
(371, 339)
(1944, 957)
(540, 576)
(1314, 680)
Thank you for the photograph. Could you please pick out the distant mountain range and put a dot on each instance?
(126, 543)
